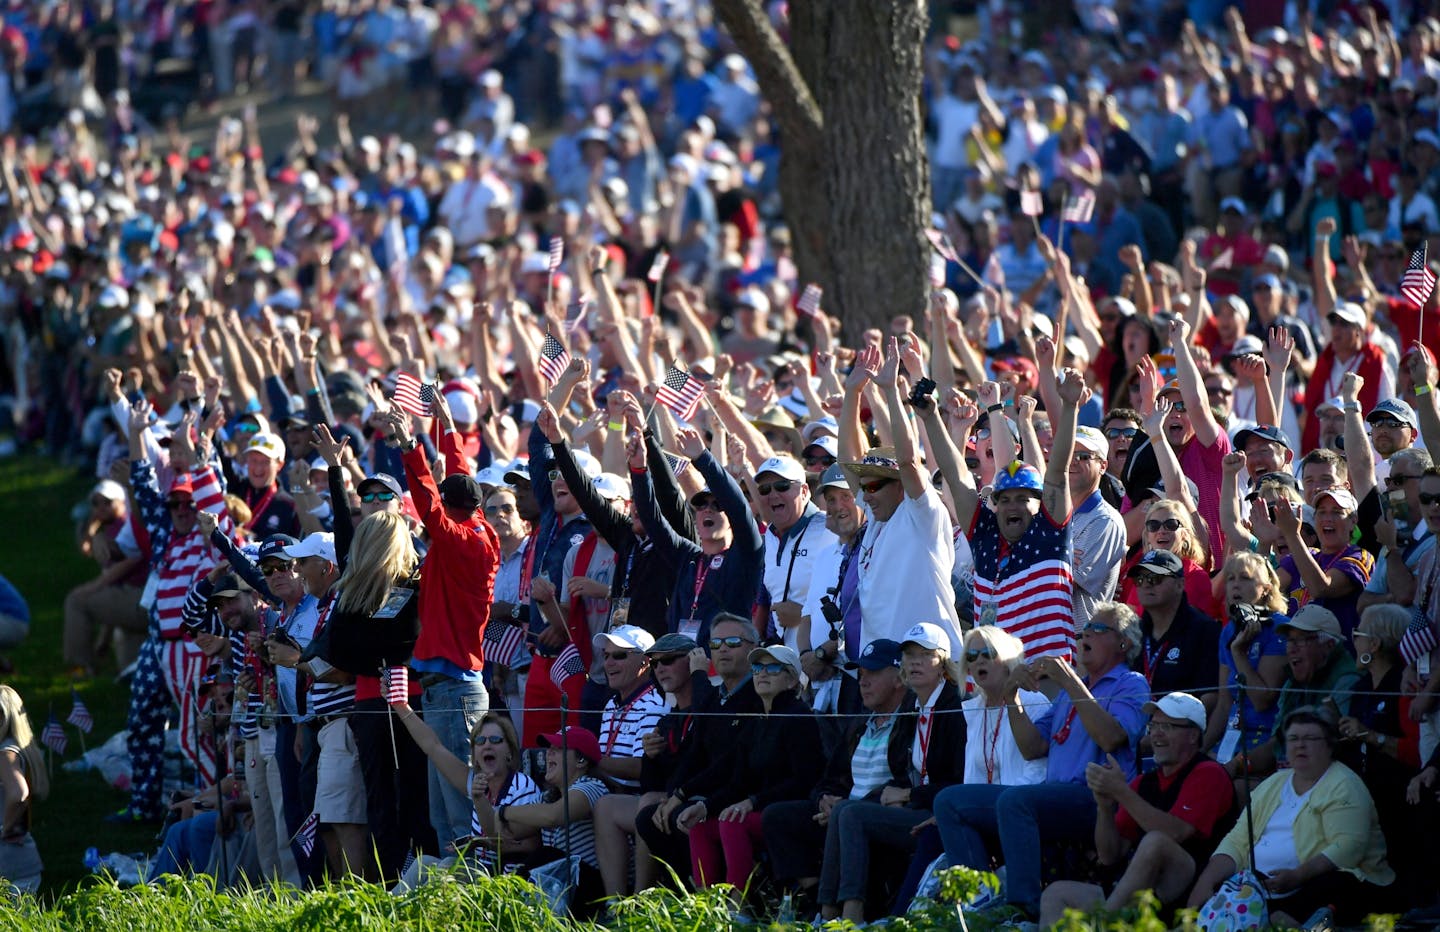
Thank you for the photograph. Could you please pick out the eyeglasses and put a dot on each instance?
(1115, 433)
(667, 661)
(870, 488)
(1388, 423)
(554, 475)
(772, 667)
(1087, 456)
(702, 502)
(973, 655)
(1393, 481)
(619, 656)
(1301, 639)
(1304, 739)
(181, 506)
(1165, 727)
(1146, 578)
(1427, 499)
(489, 739)
(273, 568)
(782, 486)
(823, 459)
(733, 640)
(1096, 627)
(378, 497)
(1169, 524)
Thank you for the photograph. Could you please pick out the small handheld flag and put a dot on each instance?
(53, 737)
(79, 715)
(557, 253)
(680, 393)
(396, 683)
(1031, 203)
(554, 358)
(568, 664)
(1418, 281)
(306, 835)
(414, 396)
(809, 301)
(657, 268)
(1081, 209)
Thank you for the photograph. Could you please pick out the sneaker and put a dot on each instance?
(130, 816)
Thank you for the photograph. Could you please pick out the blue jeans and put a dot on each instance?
(969, 816)
(187, 845)
(452, 707)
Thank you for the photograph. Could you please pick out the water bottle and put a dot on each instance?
(787, 910)
(1322, 920)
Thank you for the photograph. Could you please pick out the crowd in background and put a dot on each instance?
(483, 503)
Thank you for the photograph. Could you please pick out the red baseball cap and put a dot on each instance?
(580, 740)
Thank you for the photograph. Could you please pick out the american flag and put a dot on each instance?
(503, 640)
(557, 253)
(306, 835)
(1081, 209)
(79, 715)
(680, 393)
(809, 301)
(1031, 203)
(396, 683)
(566, 665)
(53, 737)
(413, 395)
(1419, 637)
(678, 464)
(1027, 590)
(942, 245)
(657, 268)
(554, 358)
(1418, 281)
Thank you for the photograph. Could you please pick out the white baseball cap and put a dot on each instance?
(269, 444)
(627, 636)
(927, 635)
(319, 544)
(1182, 706)
(786, 467)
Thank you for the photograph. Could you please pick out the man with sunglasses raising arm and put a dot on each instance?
(907, 553)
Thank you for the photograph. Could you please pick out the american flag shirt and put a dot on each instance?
(1026, 587)
(176, 561)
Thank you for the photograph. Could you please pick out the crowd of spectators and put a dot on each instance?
(482, 503)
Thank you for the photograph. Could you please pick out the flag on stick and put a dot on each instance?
(809, 301)
(554, 358)
(1081, 209)
(681, 393)
(53, 737)
(79, 714)
(568, 664)
(414, 396)
(1418, 281)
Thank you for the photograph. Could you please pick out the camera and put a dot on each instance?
(832, 614)
(923, 389)
(1242, 615)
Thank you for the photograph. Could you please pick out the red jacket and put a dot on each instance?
(458, 584)
(1371, 367)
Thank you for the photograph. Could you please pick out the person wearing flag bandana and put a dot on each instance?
(454, 611)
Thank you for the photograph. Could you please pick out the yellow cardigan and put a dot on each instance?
(1337, 820)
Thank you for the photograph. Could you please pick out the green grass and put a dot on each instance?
(40, 559)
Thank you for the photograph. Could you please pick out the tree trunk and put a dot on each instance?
(854, 177)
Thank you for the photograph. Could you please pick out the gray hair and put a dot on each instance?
(747, 628)
(1414, 456)
(1125, 621)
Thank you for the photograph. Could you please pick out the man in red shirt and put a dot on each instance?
(454, 609)
(1166, 821)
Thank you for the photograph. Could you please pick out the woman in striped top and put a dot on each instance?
(491, 779)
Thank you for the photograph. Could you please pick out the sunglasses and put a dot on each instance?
(554, 475)
(973, 655)
(181, 506)
(1096, 627)
(772, 667)
(1393, 481)
(1169, 524)
(667, 661)
(1087, 456)
(619, 656)
(378, 497)
(823, 459)
(1115, 433)
(733, 640)
(1178, 407)
(489, 739)
(1427, 499)
(247, 428)
(870, 488)
(782, 486)
(702, 502)
(1145, 578)
(1387, 423)
(273, 568)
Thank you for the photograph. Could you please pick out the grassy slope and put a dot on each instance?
(40, 559)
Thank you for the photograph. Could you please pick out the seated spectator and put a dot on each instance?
(108, 606)
(773, 757)
(1317, 838)
(1164, 822)
(1095, 718)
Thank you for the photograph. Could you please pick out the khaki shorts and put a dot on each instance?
(339, 786)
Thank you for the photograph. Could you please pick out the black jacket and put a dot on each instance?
(773, 758)
(703, 753)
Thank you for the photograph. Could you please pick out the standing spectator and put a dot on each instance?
(24, 781)
(1097, 530)
(1178, 646)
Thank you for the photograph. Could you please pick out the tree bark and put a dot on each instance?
(854, 175)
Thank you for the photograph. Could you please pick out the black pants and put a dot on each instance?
(1352, 898)
(796, 841)
(672, 849)
(397, 798)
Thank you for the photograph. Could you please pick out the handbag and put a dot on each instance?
(558, 881)
(1238, 904)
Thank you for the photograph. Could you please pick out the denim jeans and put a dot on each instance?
(452, 707)
(186, 848)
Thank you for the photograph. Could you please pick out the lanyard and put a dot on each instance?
(1063, 734)
(1152, 658)
(992, 760)
(257, 509)
(620, 718)
(527, 568)
(922, 735)
(794, 552)
(702, 569)
(624, 584)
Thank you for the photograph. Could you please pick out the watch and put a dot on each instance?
(822, 654)
(515, 612)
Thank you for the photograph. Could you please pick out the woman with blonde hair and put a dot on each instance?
(992, 757)
(1170, 526)
(373, 627)
(1252, 657)
(22, 780)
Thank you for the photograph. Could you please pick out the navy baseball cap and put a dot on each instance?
(877, 655)
(273, 548)
(1161, 563)
(1265, 432)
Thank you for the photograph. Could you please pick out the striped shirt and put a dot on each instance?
(1025, 587)
(176, 561)
(520, 790)
(582, 831)
(869, 764)
(622, 729)
(328, 698)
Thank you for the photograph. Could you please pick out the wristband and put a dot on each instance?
(1422, 390)
(993, 408)
(616, 426)
(1352, 407)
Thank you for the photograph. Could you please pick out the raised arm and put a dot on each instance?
(1359, 454)
(1192, 386)
(1073, 393)
(912, 477)
(670, 545)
